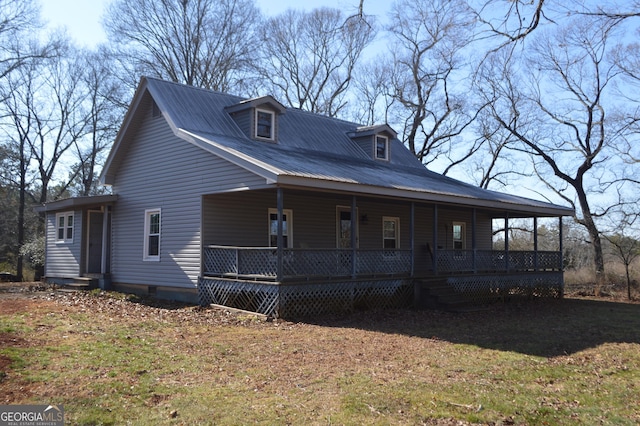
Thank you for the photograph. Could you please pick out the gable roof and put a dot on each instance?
(313, 151)
(257, 103)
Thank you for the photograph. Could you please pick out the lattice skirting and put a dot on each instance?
(482, 289)
(297, 300)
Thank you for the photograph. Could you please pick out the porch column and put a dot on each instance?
(105, 241)
(354, 234)
(412, 238)
(473, 239)
(535, 243)
(280, 237)
(434, 255)
(506, 240)
(560, 233)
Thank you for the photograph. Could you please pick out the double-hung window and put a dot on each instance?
(390, 234)
(459, 235)
(287, 221)
(64, 227)
(265, 123)
(152, 235)
(382, 147)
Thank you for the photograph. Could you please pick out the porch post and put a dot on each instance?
(434, 255)
(473, 240)
(535, 243)
(105, 241)
(280, 237)
(354, 241)
(412, 238)
(506, 241)
(560, 233)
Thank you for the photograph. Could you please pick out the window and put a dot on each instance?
(64, 226)
(152, 235)
(264, 124)
(287, 221)
(390, 232)
(458, 235)
(382, 147)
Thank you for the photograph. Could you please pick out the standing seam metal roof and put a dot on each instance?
(316, 147)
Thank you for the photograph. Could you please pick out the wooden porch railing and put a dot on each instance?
(262, 262)
(480, 261)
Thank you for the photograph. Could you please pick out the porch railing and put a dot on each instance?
(452, 261)
(262, 262)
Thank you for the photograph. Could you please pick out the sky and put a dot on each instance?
(82, 18)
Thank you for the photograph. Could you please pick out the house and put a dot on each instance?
(246, 203)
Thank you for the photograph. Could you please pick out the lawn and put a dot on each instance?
(113, 359)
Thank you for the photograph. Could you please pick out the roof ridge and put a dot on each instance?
(188, 86)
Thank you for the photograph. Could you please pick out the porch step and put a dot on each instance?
(441, 296)
(78, 284)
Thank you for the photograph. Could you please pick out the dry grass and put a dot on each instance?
(111, 359)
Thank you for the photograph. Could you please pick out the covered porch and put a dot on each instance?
(327, 251)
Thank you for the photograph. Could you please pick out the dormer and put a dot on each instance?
(258, 117)
(375, 140)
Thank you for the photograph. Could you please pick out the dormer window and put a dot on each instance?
(382, 147)
(264, 124)
(258, 118)
(375, 140)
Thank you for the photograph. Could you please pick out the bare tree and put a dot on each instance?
(103, 107)
(42, 119)
(560, 107)
(429, 37)
(509, 21)
(496, 164)
(204, 43)
(308, 57)
(372, 92)
(626, 249)
(17, 18)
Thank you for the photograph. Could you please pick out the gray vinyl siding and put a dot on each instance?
(162, 171)
(63, 259)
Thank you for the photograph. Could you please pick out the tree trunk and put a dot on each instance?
(21, 209)
(626, 267)
(594, 236)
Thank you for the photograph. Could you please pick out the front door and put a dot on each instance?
(94, 242)
(344, 228)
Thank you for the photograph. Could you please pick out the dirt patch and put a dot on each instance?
(10, 340)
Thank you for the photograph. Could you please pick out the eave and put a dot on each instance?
(77, 202)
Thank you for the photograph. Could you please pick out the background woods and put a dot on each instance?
(530, 97)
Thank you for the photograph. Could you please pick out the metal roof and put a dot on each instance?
(314, 151)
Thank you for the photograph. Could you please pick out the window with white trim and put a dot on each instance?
(459, 233)
(152, 234)
(382, 147)
(287, 228)
(391, 232)
(64, 227)
(265, 123)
